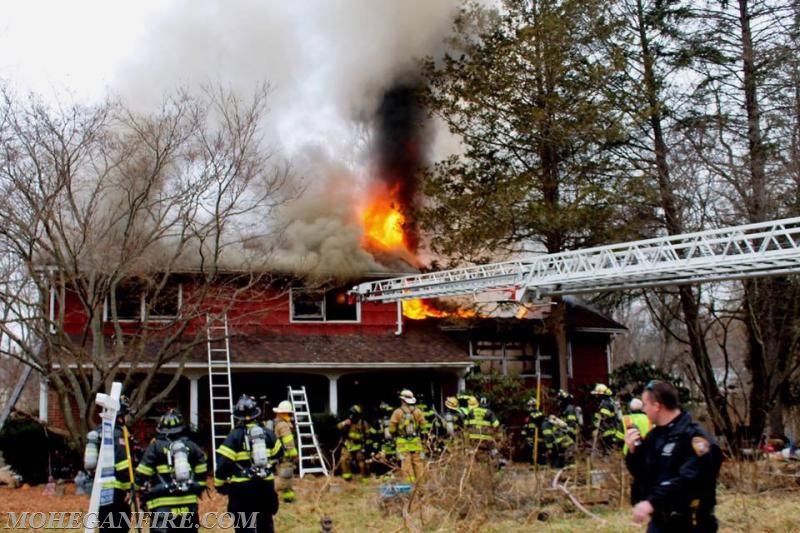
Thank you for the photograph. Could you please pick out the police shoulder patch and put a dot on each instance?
(700, 445)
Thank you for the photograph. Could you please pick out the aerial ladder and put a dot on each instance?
(752, 250)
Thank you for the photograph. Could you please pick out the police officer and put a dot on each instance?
(245, 463)
(676, 466)
(115, 515)
(172, 475)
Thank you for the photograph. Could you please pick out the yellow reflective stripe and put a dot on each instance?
(122, 465)
(163, 469)
(201, 468)
(169, 501)
(291, 453)
(144, 469)
(243, 455)
(120, 485)
(227, 452)
(275, 449)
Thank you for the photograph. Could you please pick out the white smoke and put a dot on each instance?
(329, 62)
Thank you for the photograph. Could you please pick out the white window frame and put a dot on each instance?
(324, 318)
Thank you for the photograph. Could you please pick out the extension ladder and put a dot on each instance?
(309, 455)
(219, 380)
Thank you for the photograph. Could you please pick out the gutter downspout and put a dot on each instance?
(399, 330)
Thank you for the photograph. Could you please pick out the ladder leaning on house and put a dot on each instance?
(219, 379)
(308, 453)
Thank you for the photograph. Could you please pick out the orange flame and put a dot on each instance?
(420, 309)
(383, 222)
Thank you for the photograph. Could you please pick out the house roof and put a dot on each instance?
(583, 317)
(419, 344)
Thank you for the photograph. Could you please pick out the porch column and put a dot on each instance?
(43, 399)
(462, 382)
(194, 414)
(333, 394)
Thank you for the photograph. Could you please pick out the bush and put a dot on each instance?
(34, 453)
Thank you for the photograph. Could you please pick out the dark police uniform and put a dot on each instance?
(249, 491)
(676, 469)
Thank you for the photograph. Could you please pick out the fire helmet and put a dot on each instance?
(472, 402)
(564, 396)
(636, 405)
(451, 402)
(356, 411)
(170, 423)
(601, 390)
(124, 406)
(408, 397)
(284, 407)
(246, 409)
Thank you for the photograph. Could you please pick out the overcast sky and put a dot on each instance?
(328, 60)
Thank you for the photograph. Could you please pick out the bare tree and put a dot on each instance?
(117, 215)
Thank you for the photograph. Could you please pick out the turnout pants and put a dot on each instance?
(246, 499)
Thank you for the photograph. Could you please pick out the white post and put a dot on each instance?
(194, 414)
(104, 474)
(333, 394)
(43, 388)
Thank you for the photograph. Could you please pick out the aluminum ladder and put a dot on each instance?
(752, 250)
(219, 379)
(308, 453)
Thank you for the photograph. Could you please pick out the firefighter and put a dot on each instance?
(481, 424)
(636, 419)
(355, 431)
(172, 476)
(383, 448)
(112, 516)
(245, 469)
(533, 424)
(284, 430)
(608, 433)
(405, 426)
(569, 413)
(453, 417)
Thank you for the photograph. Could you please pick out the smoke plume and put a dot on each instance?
(339, 72)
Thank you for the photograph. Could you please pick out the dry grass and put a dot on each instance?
(463, 495)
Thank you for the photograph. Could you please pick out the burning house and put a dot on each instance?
(296, 326)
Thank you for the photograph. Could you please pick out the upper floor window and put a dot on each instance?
(322, 306)
(133, 302)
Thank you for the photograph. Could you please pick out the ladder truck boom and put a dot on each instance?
(751, 250)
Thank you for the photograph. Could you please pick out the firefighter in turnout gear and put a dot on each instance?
(453, 417)
(284, 431)
(533, 423)
(383, 447)
(569, 413)
(405, 426)
(111, 517)
(355, 430)
(481, 425)
(245, 463)
(676, 466)
(608, 433)
(172, 476)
